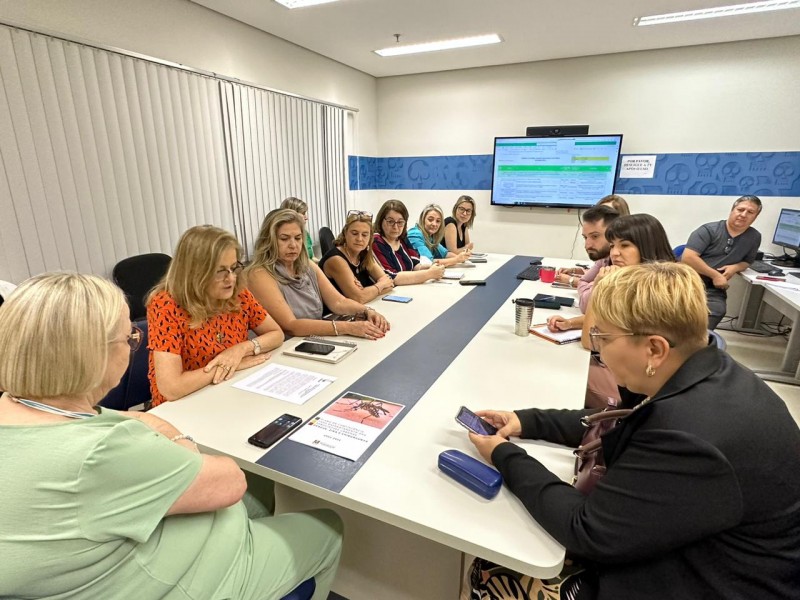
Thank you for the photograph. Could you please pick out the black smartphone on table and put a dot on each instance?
(315, 348)
(472, 422)
(275, 431)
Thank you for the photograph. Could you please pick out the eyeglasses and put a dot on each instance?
(134, 339)
(595, 333)
(465, 211)
(729, 245)
(223, 273)
(393, 223)
(359, 214)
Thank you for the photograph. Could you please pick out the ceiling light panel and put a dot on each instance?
(467, 42)
(720, 11)
(302, 3)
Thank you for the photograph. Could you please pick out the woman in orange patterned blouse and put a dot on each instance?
(199, 315)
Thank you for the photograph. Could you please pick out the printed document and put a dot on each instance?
(285, 383)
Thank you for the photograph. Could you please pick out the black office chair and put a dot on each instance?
(134, 387)
(326, 239)
(137, 275)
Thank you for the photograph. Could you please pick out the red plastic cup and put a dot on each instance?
(547, 274)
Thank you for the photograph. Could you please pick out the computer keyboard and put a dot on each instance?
(530, 273)
(759, 266)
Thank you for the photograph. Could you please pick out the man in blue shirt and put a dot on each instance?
(721, 249)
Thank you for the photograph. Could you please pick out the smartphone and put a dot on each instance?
(274, 431)
(472, 281)
(315, 348)
(469, 420)
(403, 299)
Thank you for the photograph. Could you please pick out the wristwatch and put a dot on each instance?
(256, 347)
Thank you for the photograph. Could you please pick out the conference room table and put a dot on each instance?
(452, 345)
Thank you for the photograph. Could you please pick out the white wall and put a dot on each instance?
(720, 98)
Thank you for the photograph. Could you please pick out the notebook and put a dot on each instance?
(560, 337)
(341, 349)
(450, 274)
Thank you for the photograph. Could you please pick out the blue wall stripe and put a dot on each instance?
(403, 377)
(707, 174)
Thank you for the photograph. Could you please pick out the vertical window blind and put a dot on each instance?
(105, 155)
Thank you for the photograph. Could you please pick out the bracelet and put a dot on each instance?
(256, 347)
(335, 330)
(571, 281)
(182, 436)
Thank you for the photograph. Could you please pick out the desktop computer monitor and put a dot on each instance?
(787, 235)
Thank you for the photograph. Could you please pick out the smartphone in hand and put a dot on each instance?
(472, 422)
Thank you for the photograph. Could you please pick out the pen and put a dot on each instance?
(765, 278)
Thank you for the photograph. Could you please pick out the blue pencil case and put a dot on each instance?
(471, 473)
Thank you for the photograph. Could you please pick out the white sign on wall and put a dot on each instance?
(637, 167)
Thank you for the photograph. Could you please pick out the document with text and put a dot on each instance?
(348, 426)
(285, 383)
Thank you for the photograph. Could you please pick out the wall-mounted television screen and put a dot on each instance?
(565, 172)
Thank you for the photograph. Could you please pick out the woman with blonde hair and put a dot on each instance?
(618, 203)
(300, 207)
(427, 235)
(350, 264)
(392, 249)
(295, 290)
(98, 503)
(457, 226)
(199, 316)
(700, 495)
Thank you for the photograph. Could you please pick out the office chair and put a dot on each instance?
(304, 591)
(137, 275)
(326, 239)
(134, 387)
(678, 251)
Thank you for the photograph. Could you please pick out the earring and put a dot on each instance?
(650, 371)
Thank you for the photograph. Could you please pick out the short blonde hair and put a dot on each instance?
(660, 298)
(461, 200)
(437, 238)
(54, 335)
(193, 267)
(265, 255)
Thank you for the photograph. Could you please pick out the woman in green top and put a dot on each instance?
(301, 207)
(104, 504)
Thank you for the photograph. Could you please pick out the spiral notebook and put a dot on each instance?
(341, 349)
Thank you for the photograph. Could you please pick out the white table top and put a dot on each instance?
(400, 483)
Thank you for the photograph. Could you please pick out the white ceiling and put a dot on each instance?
(348, 31)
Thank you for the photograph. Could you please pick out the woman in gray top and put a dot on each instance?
(294, 290)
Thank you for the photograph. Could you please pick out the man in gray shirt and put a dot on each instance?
(721, 249)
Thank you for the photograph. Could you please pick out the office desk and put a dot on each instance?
(398, 481)
(761, 293)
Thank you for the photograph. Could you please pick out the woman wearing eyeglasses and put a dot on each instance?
(457, 226)
(701, 492)
(427, 235)
(98, 503)
(295, 291)
(391, 247)
(199, 316)
(350, 265)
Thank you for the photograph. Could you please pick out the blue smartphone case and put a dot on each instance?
(471, 473)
